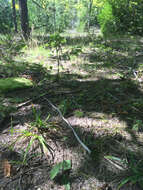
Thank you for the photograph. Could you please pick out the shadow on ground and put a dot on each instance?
(120, 99)
(123, 56)
(117, 98)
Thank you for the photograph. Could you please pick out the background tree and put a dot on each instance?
(53, 15)
(24, 18)
(14, 15)
(6, 21)
(122, 16)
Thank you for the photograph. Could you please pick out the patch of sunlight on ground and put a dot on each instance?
(10, 84)
(101, 122)
(34, 55)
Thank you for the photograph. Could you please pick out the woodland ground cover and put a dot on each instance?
(98, 90)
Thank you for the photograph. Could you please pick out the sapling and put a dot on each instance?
(56, 41)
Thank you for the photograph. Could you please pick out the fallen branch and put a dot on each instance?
(42, 95)
(69, 126)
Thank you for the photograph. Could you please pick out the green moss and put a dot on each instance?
(10, 84)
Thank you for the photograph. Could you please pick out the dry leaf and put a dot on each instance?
(6, 168)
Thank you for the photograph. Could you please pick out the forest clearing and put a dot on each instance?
(71, 102)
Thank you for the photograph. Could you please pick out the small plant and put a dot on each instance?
(136, 173)
(134, 168)
(76, 50)
(64, 107)
(33, 134)
(39, 122)
(78, 113)
(56, 41)
(68, 105)
(73, 52)
(138, 125)
(62, 169)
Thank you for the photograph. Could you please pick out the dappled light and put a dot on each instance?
(71, 95)
(10, 84)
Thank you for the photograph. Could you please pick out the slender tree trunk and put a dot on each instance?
(54, 11)
(89, 13)
(14, 15)
(24, 18)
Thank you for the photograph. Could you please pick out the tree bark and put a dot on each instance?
(24, 18)
(14, 15)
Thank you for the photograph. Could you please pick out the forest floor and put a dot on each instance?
(99, 91)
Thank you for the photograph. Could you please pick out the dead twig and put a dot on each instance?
(45, 94)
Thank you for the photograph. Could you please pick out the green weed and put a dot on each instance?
(134, 169)
(138, 125)
(33, 134)
(62, 169)
(78, 113)
(65, 106)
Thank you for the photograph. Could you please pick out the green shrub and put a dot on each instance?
(121, 17)
(106, 19)
(6, 21)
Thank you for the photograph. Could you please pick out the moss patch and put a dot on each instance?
(10, 84)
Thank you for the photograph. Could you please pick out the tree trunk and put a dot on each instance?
(89, 13)
(24, 18)
(54, 11)
(14, 15)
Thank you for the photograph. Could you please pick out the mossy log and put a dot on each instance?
(10, 84)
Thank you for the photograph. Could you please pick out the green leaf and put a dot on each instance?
(55, 170)
(67, 186)
(65, 165)
(113, 158)
(47, 118)
(28, 147)
(123, 182)
(43, 143)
